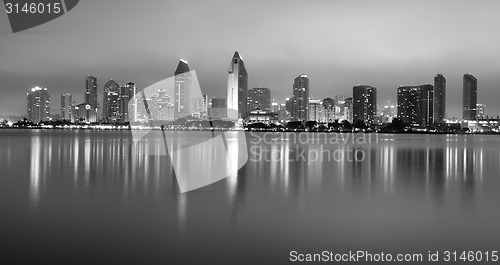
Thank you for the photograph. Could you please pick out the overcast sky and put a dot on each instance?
(339, 44)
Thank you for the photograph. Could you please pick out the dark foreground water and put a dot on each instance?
(81, 197)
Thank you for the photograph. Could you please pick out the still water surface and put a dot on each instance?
(85, 197)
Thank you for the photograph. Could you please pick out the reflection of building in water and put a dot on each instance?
(35, 172)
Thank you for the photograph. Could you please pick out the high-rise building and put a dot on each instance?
(348, 109)
(38, 104)
(218, 108)
(364, 103)
(416, 104)
(182, 90)
(481, 111)
(275, 107)
(283, 106)
(259, 98)
(91, 90)
(237, 88)
(316, 112)
(127, 92)
(85, 113)
(389, 112)
(439, 98)
(300, 101)
(66, 107)
(342, 108)
(204, 106)
(111, 104)
(288, 105)
(470, 97)
(329, 109)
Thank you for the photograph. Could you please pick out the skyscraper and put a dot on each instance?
(66, 107)
(389, 112)
(348, 109)
(316, 110)
(288, 105)
(415, 104)
(218, 108)
(439, 98)
(470, 97)
(259, 98)
(38, 104)
(364, 103)
(299, 103)
(237, 88)
(127, 92)
(91, 90)
(111, 105)
(182, 90)
(329, 109)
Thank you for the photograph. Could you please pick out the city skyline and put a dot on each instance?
(338, 50)
(421, 104)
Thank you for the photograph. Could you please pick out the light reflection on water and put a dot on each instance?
(409, 188)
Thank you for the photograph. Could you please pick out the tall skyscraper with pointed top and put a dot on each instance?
(182, 90)
(439, 98)
(470, 97)
(237, 88)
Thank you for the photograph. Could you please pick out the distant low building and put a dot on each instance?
(217, 109)
(85, 113)
(262, 117)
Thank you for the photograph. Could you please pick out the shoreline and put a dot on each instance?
(118, 128)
